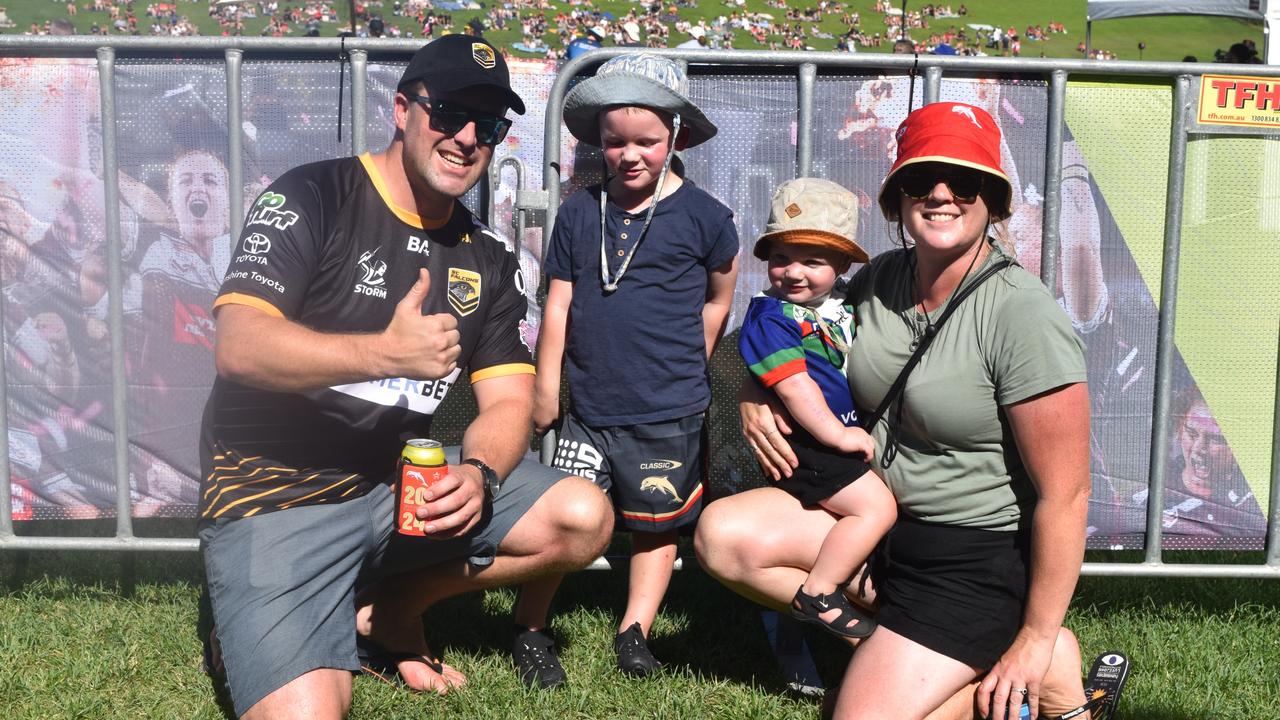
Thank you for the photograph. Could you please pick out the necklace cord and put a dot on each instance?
(607, 279)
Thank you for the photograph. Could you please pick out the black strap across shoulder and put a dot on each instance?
(930, 332)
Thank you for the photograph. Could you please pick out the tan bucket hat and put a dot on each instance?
(813, 211)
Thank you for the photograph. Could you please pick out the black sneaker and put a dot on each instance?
(534, 653)
(634, 657)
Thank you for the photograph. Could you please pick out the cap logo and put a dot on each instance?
(967, 112)
(483, 55)
(793, 210)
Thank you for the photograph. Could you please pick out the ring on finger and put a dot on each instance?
(1020, 691)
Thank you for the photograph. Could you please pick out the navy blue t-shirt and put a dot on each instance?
(638, 355)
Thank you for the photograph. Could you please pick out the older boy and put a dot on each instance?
(642, 275)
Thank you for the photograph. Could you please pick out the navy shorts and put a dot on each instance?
(955, 590)
(283, 584)
(653, 472)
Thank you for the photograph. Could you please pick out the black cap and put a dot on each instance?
(455, 62)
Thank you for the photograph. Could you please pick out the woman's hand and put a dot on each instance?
(1022, 667)
(764, 424)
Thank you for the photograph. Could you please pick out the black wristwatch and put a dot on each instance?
(491, 482)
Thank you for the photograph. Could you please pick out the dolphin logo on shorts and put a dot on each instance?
(661, 484)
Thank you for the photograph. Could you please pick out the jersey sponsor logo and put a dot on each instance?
(256, 244)
(372, 275)
(418, 245)
(192, 325)
(483, 55)
(255, 247)
(660, 484)
(661, 465)
(258, 278)
(464, 290)
(267, 212)
(419, 396)
(578, 458)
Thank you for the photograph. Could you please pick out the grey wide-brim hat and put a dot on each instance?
(813, 211)
(634, 79)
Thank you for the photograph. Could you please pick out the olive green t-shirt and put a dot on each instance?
(957, 462)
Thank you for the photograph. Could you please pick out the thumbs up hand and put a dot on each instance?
(423, 347)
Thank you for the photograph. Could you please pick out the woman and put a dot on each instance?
(989, 451)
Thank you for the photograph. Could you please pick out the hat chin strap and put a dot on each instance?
(611, 284)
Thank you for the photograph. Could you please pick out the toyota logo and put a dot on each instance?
(257, 244)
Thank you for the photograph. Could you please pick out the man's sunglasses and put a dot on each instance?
(918, 183)
(445, 117)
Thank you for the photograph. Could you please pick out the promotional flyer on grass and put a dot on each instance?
(175, 198)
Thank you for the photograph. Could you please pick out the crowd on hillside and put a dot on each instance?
(548, 29)
(656, 24)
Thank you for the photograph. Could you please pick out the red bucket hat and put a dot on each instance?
(953, 133)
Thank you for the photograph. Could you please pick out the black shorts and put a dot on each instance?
(955, 590)
(652, 472)
(822, 472)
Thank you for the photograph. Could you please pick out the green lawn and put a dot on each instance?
(1166, 38)
(100, 636)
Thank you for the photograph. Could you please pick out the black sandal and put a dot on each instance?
(809, 608)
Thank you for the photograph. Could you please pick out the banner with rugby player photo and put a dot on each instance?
(175, 199)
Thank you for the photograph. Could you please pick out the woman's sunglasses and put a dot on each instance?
(918, 183)
(447, 118)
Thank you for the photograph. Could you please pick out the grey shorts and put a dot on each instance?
(652, 472)
(282, 585)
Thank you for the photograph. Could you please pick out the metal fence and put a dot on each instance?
(802, 75)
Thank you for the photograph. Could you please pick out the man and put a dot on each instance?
(358, 290)
(697, 39)
(585, 43)
(630, 34)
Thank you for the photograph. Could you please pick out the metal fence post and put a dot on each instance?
(235, 150)
(804, 119)
(115, 301)
(359, 101)
(1168, 314)
(1051, 236)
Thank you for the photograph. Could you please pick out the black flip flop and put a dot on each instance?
(1102, 686)
(383, 664)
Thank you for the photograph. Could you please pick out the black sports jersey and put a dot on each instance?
(324, 246)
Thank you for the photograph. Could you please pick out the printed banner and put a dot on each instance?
(175, 199)
(1239, 100)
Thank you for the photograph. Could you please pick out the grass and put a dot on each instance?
(93, 636)
(1166, 38)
